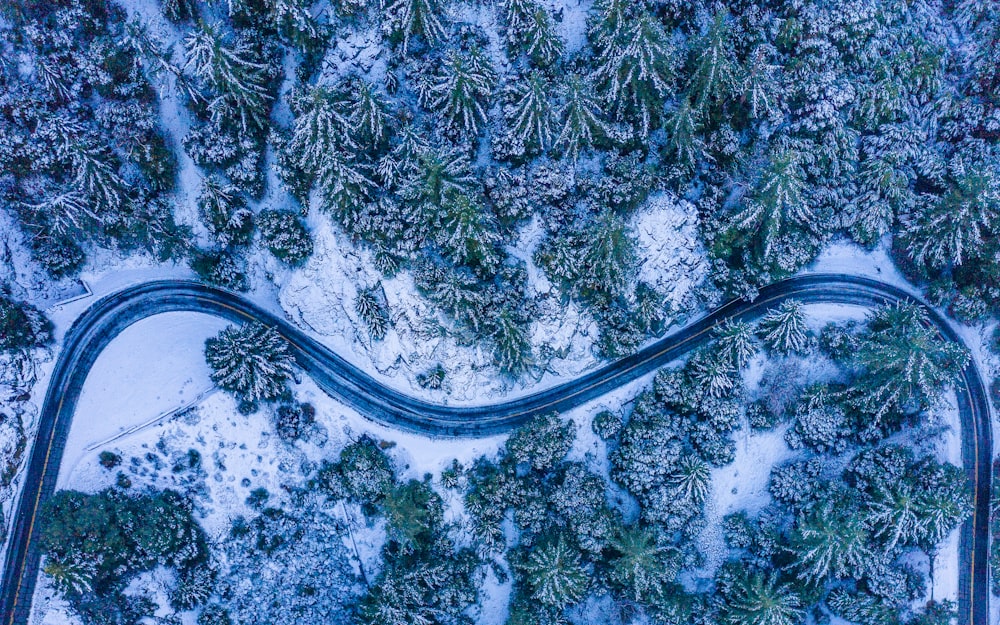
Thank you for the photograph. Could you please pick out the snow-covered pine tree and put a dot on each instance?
(907, 364)
(783, 329)
(72, 574)
(759, 599)
(777, 205)
(683, 126)
(953, 229)
(285, 236)
(252, 361)
(642, 567)
(609, 258)
(369, 117)
(234, 70)
(414, 18)
(529, 29)
(579, 116)
(760, 92)
(831, 540)
(466, 232)
(714, 77)
(512, 343)
(635, 68)
(320, 128)
(459, 89)
(530, 116)
(713, 373)
(224, 212)
(692, 478)
(370, 307)
(556, 574)
(736, 342)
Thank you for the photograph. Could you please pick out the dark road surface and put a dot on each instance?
(104, 320)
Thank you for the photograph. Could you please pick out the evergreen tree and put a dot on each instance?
(906, 362)
(634, 67)
(72, 575)
(252, 361)
(579, 115)
(320, 128)
(530, 117)
(641, 567)
(415, 18)
(776, 207)
(683, 125)
(460, 89)
(760, 94)
(756, 599)
(953, 229)
(832, 540)
(413, 513)
(465, 231)
(370, 306)
(512, 344)
(225, 212)
(541, 443)
(783, 329)
(369, 118)
(234, 70)
(22, 326)
(529, 29)
(609, 258)
(712, 373)
(285, 236)
(692, 478)
(736, 342)
(714, 77)
(555, 573)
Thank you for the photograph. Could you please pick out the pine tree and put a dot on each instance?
(893, 514)
(530, 117)
(431, 175)
(72, 575)
(714, 77)
(634, 68)
(512, 344)
(641, 566)
(713, 374)
(783, 329)
(465, 231)
(555, 574)
(529, 29)
(320, 129)
(684, 143)
(759, 91)
(906, 362)
(369, 114)
(542, 443)
(692, 478)
(756, 599)
(285, 236)
(22, 326)
(233, 70)
(345, 187)
(776, 206)
(252, 361)
(413, 513)
(953, 229)
(832, 540)
(579, 115)
(460, 90)
(415, 18)
(370, 307)
(224, 212)
(736, 342)
(609, 258)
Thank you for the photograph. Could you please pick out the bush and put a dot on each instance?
(109, 460)
(607, 425)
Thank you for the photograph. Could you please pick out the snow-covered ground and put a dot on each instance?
(320, 298)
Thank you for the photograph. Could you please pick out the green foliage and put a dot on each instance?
(94, 543)
(906, 363)
(363, 472)
(641, 567)
(285, 236)
(22, 326)
(783, 329)
(542, 442)
(555, 574)
(253, 361)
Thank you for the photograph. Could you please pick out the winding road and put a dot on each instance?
(105, 319)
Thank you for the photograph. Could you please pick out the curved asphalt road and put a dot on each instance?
(109, 316)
